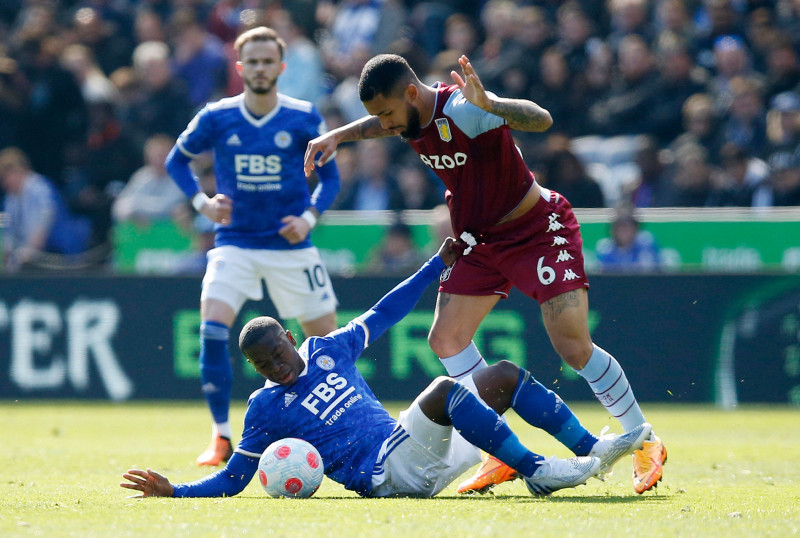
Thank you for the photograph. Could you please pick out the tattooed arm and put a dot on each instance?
(520, 114)
(323, 147)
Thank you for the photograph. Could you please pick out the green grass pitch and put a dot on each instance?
(729, 473)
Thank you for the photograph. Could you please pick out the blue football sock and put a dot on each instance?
(544, 409)
(483, 427)
(216, 371)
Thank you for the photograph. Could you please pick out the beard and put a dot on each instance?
(261, 90)
(413, 127)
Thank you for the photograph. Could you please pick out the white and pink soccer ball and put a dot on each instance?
(290, 468)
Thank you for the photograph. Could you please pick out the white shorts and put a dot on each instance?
(421, 458)
(297, 282)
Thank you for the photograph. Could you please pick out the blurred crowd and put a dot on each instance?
(656, 103)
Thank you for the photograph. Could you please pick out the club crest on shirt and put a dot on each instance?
(325, 362)
(283, 139)
(444, 129)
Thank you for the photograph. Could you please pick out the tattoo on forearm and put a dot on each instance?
(554, 307)
(523, 115)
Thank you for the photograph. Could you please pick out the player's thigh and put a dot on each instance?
(231, 277)
(299, 285)
(456, 319)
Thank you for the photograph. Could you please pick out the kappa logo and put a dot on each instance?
(558, 241)
(446, 273)
(554, 224)
(288, 398)
(564, 256)
(444, 129)
(234, 140)
(325, 362)
(569, 274)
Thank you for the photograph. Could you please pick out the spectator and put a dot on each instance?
(783, 186)
(149, 26)
(783, 68)
(731, 60)
(199, 58)
(627, 107)
(95, 85)
(672, 22)
(741, 176)
(109, 42)
(162, 104)
(396, 254)
(555, 92)
(303, 77)
(628, 248)
(629, 17)
(566, 174)
(52, 129)
(691, 183)
(374, 184)
(574, 33)
(783, 122)
(150, 194)
(415, 189)
(12, 96)
(499, 51)
(746, 124)
(701, 126)
(680, 78)
(651, 185)
(716, 19)
(38, 219)
(109, 158)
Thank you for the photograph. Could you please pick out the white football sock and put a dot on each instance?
(223, 429)
(464, 363)
(611, 388)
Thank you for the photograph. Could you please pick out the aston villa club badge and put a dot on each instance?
(444, 129)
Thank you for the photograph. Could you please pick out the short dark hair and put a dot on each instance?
(260, 33)
(384, 75)
(255, 330)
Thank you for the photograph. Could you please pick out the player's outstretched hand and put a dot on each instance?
(470, 85)
(324, 146)
(150, 483)
(450, 251)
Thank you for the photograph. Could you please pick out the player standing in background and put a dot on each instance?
(317, 394)
(519, 234)
(263, 213)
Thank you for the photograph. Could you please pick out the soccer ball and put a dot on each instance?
(290, 468)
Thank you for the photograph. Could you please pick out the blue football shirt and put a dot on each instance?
(258, 163)
(330, 406)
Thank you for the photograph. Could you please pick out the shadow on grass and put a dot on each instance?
(588, 499)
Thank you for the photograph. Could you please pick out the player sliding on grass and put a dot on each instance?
(316, 393)
(520, 234)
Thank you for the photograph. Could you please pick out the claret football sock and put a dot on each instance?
(216, 371)
(543, 408)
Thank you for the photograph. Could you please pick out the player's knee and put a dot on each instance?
(575, 352)
(503, 375)
(445, 345)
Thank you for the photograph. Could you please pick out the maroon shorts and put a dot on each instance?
(539, 253)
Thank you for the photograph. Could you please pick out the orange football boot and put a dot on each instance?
(491, 472)
(648, 463)
(219, 450)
